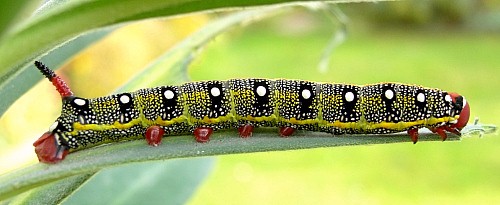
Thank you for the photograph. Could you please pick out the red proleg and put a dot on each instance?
(154, 135)
(202, 134)
(286, 131)
(413, 135)
(245, 130)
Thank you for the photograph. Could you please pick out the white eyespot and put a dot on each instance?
(124, 99)
(447, 98)
(261, 90)
(53, 126)
(421, 97)
(169, 94)
(389, 94)
(349, 96)
(306, 94)
(215, 91)
(464, 102)
(79, 102)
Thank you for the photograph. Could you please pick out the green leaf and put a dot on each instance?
(13, 85)
(167, 182)
(171, 68)
(11, 13)
(58, 191)
(224, 142)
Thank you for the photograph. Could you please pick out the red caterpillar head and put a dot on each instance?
(462, 105)
(48, 147)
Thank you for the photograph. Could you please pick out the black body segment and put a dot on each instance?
(253, 101)
(297, 104)
(207, 104)
(340, 103)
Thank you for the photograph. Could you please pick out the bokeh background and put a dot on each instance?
(452, 45)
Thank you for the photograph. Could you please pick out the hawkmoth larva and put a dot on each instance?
(202, 107)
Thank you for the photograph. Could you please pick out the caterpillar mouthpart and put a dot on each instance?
(48, 150)
(464, 114)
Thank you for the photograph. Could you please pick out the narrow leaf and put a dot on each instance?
(171, 68)
(165, 182)
(52, 193)
(224, 142)
(11, 11)
(16, 83)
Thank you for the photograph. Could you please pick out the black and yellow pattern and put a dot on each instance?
(325, 107)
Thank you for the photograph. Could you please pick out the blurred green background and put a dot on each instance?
(452, 45)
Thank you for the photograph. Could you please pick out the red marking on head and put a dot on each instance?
(47, 149)
(202, 134)
(154, 135)
(245, 130)
(464, 114)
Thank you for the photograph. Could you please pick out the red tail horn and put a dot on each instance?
(59, 83)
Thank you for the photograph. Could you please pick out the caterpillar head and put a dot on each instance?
(461, 104)
(48, 147)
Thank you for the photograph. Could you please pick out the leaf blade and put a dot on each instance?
(58, 191)
(14, 84)
(225, 142)
(164, 182)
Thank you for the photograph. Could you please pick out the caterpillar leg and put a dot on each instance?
(202, 134)
(286, 131)
(441, 131)
(153, 135)
(453, 130)
(413, 135)
(245, 130)
(48, 150)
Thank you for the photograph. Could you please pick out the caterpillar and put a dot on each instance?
(203, 107)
